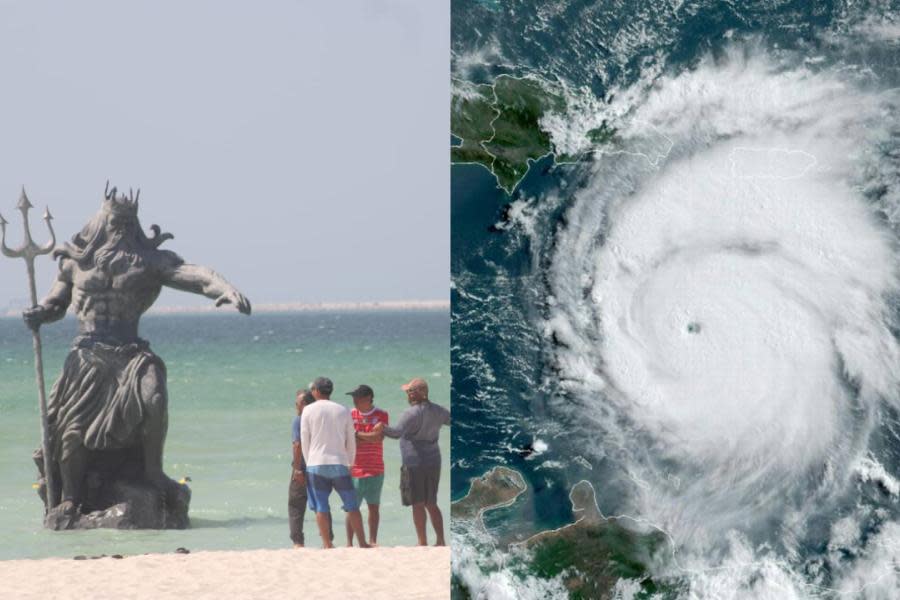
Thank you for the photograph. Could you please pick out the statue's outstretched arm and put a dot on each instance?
(54, 305)
(202, 280)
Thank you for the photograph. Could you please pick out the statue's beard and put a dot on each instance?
(116, 256)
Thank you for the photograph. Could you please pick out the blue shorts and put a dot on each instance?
(321, 479)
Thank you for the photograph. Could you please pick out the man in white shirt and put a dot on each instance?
(328, 443)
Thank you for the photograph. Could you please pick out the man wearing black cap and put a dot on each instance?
(368, 465)
(328, 443)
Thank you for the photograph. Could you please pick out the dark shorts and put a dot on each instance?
(419, 484)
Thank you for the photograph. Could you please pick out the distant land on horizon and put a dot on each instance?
(291, 307)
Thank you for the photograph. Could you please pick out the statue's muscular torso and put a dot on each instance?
(109, 302)
(109, 305)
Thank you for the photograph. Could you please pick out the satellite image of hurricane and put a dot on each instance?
(675, 299)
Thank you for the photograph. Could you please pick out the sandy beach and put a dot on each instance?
(396, 573)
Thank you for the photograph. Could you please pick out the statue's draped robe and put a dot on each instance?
(97, 400)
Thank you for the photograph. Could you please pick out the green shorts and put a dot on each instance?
(369, 488)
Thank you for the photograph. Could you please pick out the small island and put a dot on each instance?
(497, 488)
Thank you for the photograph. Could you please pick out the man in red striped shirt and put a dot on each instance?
(367, 470)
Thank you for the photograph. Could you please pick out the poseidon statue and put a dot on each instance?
(107, 413)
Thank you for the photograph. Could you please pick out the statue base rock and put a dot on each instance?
(117, 497)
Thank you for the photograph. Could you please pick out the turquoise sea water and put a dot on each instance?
(232, 381)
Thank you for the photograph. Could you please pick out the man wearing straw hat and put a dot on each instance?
(418, 430)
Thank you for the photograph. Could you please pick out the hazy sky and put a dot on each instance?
(299, 148)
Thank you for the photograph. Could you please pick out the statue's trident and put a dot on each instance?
(29, 250)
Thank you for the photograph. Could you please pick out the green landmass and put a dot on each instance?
(498, 487)
(472, 112)
(518, 137)
(500, 125)
(593, 553)
(589, 556)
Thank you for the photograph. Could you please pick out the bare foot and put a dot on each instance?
(440, 543)
(373, 544)
(297, 546)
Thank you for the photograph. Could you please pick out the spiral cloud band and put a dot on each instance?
(724, 291)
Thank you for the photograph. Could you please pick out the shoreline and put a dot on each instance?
(288, 307)
(382, 573)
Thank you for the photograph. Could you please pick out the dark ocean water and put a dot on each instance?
(496, 356)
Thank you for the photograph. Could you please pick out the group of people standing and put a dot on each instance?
(340, 449)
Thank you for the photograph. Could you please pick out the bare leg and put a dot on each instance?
(349, 534)
(323, 520)
(330, 528)
(354, 519)
(437, 521)
(374, 518)
(419, 520)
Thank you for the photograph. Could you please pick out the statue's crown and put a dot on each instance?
(120, 204)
